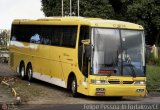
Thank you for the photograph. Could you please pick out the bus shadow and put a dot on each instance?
(112, 98)
(66, 93)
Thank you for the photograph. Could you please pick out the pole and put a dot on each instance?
(78, 7)
(70, 7)
(62, 8)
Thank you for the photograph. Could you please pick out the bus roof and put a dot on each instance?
(93, 22)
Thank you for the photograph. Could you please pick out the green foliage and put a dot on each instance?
(143, 12)
(152, 60)
(51, 7)
(146, 13)
(88, 8)
(153, 76)
(3, 40)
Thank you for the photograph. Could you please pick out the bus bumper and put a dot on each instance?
(117, 90)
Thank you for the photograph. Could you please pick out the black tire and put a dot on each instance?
(22, 71)
(29, 72)
(74, 87)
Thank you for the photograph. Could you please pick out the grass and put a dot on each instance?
(153, 78)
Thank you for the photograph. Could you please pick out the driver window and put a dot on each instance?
(84, 34)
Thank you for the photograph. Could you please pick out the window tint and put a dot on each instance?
(69, 36)
(82, 57)
(46, 34)
(56, 38)
(84, 33)
(17, 34)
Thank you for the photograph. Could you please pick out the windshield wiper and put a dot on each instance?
(128, 61)
(131, 67)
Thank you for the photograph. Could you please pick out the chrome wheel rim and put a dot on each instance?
(29, 73)
(22, 71)
(73, 86)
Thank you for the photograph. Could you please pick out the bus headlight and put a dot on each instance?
(140, 90)
(93, 81)
(140, 82)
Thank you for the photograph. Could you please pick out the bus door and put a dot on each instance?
(84, 58)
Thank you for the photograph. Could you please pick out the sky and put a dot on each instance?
(18, 9)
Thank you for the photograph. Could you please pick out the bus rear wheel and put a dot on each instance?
(22, 71)
(29, 73)
(74, 87)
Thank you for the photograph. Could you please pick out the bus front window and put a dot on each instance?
(117, 52)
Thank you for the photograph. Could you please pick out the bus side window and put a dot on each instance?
(20, 33)
(56, 36)
(13, 34)
(84, 34)
(69, 36)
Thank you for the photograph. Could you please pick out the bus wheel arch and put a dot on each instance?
(72, 84)
(22, 71)
(29, 72)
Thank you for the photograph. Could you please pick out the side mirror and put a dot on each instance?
(86, 42)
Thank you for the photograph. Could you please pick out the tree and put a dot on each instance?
(88, 8)
(146, 13)
(143, 12)
(4, 38)
(51, 7)
(120, 8)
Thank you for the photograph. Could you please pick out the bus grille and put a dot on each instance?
(128, 82)
(119, 82)
(114, 82)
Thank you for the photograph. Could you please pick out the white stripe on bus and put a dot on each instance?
(49, 79)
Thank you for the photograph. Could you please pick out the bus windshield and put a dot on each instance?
(117, 52)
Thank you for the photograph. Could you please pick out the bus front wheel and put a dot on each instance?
(74, 87)
(29, 72)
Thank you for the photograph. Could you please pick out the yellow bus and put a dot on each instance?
(91, 56)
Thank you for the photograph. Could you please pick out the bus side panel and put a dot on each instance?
(70, 64)
(67, 59)
(19, 52)
(55, 62)
(41, 59)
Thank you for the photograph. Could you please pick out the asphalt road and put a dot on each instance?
(93, 107)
